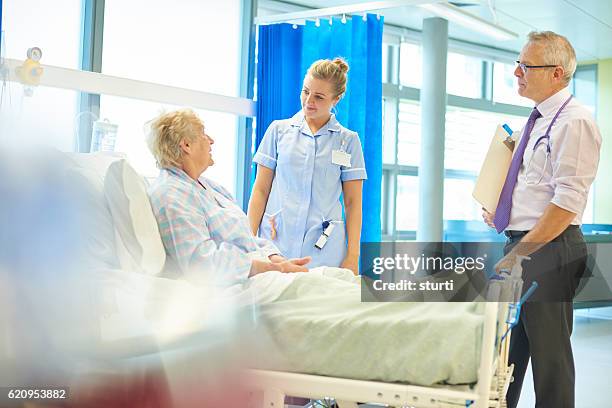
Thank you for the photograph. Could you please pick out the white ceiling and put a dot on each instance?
(586, 23)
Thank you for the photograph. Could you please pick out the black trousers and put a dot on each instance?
(543, 333)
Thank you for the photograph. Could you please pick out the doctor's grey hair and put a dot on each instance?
(166, 133)
(332, 71)
(557, 51)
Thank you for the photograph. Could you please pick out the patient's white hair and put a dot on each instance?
(557, 51)
(166, 132)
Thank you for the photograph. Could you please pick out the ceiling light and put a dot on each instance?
(469, 20)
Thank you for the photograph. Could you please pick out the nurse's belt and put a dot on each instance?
(494, 169)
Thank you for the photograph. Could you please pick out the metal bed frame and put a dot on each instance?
(494, 376)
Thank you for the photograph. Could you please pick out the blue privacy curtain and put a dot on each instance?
(284, 55)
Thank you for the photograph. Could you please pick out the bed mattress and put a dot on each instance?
(318, 325)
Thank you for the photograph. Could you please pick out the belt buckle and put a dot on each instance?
(514, 234)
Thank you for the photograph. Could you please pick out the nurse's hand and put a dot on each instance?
(351, 262)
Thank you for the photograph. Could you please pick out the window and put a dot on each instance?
(388, 124)
(385, 63)
(131, 116)
(458, 201)
(469, 133)
(407, 209)
(30, 120)
(463, 79)
(464, 75)
(411, 65)
(194, 45)
(505, 87)
(482, 95)
(585, 86)
(409, 133)
(54, 27)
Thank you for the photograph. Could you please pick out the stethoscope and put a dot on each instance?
(541, 139)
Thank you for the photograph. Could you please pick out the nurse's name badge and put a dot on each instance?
(341, 158)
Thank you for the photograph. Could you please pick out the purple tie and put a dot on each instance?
(502, 214)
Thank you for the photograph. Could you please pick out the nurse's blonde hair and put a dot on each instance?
(331, 71)
(166, 133)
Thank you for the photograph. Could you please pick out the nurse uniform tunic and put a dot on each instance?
(307, 187)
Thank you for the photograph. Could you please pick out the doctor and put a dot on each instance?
(304, 164)
(540, 211)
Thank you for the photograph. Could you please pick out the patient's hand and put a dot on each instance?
(285, 266)
(277, 258)
(488, 218)
(294, 265)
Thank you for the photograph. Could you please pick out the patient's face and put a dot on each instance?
(317, 98)
(202, 149)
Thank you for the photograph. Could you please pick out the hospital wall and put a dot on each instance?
(603, 190)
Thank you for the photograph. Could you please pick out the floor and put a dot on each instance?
(592, 346)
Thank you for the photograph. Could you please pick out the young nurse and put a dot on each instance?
(304, 164)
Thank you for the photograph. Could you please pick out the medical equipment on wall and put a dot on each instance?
(541, 140)
(30, 71)
(103, 136)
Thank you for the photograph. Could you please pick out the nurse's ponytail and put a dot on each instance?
(333, 71)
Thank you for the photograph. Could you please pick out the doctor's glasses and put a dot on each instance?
(524, 67)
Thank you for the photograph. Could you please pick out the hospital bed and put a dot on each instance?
(138, 251)
(493, 379)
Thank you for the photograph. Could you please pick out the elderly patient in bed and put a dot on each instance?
(202, 228)
(310, 322)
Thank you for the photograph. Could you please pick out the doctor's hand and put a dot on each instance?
(488, 218)
(506, 263)
(351, 262)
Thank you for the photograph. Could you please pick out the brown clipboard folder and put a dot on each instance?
(494, 169)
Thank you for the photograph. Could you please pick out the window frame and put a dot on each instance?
(394, 93)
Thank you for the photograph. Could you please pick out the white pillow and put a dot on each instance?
(139, 245)
(86, 173)
(97, 163)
